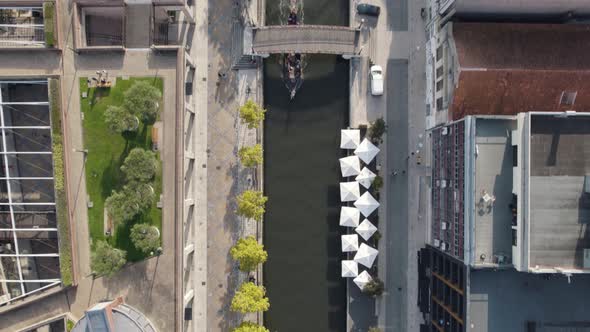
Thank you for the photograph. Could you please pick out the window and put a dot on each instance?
(568, 98)
(439, 104)
(439, 71)
(439, 85)
(439, 53)
(514, 237)
(514, 155)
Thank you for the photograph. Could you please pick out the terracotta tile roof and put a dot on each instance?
(505, 69)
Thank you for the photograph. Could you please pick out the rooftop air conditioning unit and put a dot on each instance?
(437, 243)
(443, 246)
(586, 258)
(443, 225)
(443, 183)
(438, 183)
(446, 131)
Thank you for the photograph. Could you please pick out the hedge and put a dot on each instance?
(49, 22)
(61, 203)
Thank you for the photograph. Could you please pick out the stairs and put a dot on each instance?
(246, 62)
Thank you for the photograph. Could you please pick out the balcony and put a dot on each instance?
(100, 27)
(30, 26)
(166, 28)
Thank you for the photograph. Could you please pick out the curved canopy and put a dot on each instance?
(350, 138)
(349, 191)
(350, 166)
(349, 216)
(362, 279)
(366, 151)
(366, 255)
(350, 269)
(350, 242)
(366, 204)
(365, 177)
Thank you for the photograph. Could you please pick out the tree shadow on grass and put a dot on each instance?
(111, 178)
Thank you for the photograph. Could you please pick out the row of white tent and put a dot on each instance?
(365, 204)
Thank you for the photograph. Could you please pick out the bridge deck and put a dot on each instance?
(305, 39)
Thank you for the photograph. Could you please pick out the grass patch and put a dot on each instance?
(61, 202)
(49, 23)
(106, 153)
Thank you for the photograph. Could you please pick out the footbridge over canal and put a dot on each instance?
(305, 39)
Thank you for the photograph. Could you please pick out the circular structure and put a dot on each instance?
(113, 316)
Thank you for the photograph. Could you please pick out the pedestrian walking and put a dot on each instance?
(394, 173)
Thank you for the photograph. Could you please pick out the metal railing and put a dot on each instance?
(19, 35)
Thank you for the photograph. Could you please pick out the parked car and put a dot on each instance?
(366, 9)
(376, 80)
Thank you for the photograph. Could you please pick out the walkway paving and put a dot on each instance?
(226, 179)
(396, 42)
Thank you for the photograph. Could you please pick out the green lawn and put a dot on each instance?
(106, 153)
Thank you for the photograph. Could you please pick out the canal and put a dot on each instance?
(301, 141)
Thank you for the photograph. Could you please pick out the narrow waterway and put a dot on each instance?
(301, 232)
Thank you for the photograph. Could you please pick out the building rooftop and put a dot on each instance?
(492, 191)
(507, 68)
(560, 210)
(509, 301)
(113, 316)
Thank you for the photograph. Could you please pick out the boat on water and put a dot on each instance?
(293, 62)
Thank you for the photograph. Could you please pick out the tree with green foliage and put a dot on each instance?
(374, 329)
(249, 253)
(250, 298)
(251, 204)
(250, 156)
(140, 193)
(376, 131)
(145, 237)
(118, 119)
(375, 287)
(140, 165)
(252, 114)
(142, 99)
(106, 260)
(120, 207)
(250, 327)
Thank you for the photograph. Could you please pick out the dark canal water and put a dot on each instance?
(301, 232)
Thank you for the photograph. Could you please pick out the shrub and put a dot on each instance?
(251, 204)
(250, 327)
(106, 260)
(250, 298)
(118, 119)
(374, 287)
(377, 183)
(49, 23)
(141, 99)
(376, 131)
(249, 253)
(251, 156)
(140, 165)
(374, 329)
(61, 202)
(252, 114)
(145, 237)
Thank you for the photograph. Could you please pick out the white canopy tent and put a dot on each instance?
(350, 138)
(365, 177)
(366, 229)
(350, 242)
(362, 279)
(349, 191)
(366, 151)
(366, 204)
(350, 269)
(366, 255)
(349, 216)
(350, 166)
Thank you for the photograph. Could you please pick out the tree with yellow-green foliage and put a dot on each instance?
(250, 156)
(251, 204)
(249, 253)
(250, 298)
(252, 114)
(250, 327)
